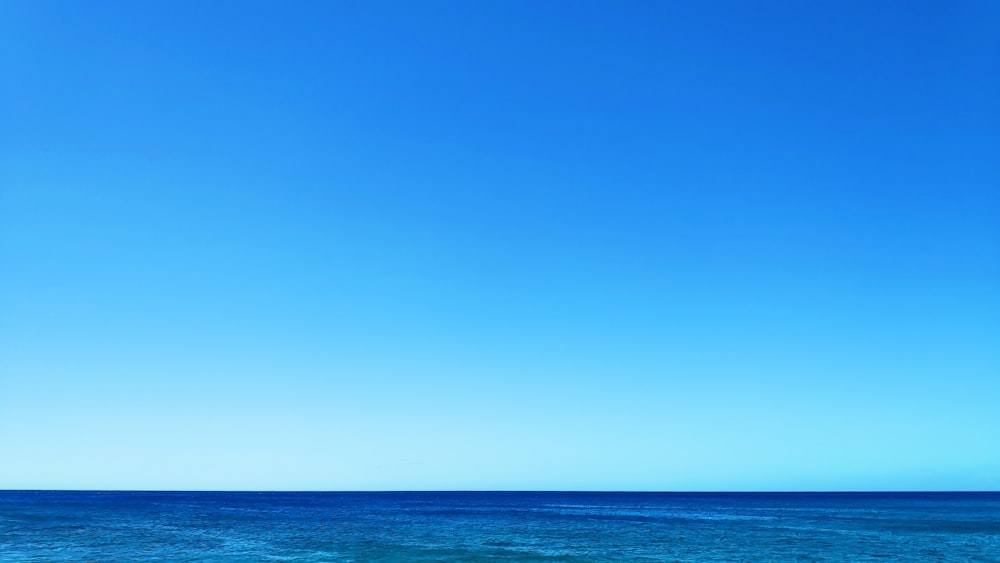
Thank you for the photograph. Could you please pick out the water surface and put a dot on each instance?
(498, 526)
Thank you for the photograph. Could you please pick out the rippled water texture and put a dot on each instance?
(134, 526)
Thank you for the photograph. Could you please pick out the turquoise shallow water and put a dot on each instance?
(149, 526)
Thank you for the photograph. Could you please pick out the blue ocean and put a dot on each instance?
(498, 526)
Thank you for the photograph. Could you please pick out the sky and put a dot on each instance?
(500, 245)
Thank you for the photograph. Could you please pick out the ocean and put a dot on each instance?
(498, 526)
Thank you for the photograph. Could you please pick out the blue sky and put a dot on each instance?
(500, 245)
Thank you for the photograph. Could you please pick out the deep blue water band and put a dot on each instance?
(490, 526)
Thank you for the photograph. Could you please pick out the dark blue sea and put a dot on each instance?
(498, 526)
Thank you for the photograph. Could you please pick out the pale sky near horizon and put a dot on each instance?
(500, 245)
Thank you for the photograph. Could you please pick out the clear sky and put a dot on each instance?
(500, 245)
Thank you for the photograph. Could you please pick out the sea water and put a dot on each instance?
(498, 526)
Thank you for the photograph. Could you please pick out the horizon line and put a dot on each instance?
(595, 491)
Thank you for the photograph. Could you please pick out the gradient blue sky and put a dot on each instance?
(500, 245)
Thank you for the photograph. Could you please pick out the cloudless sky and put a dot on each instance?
(500, 245)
